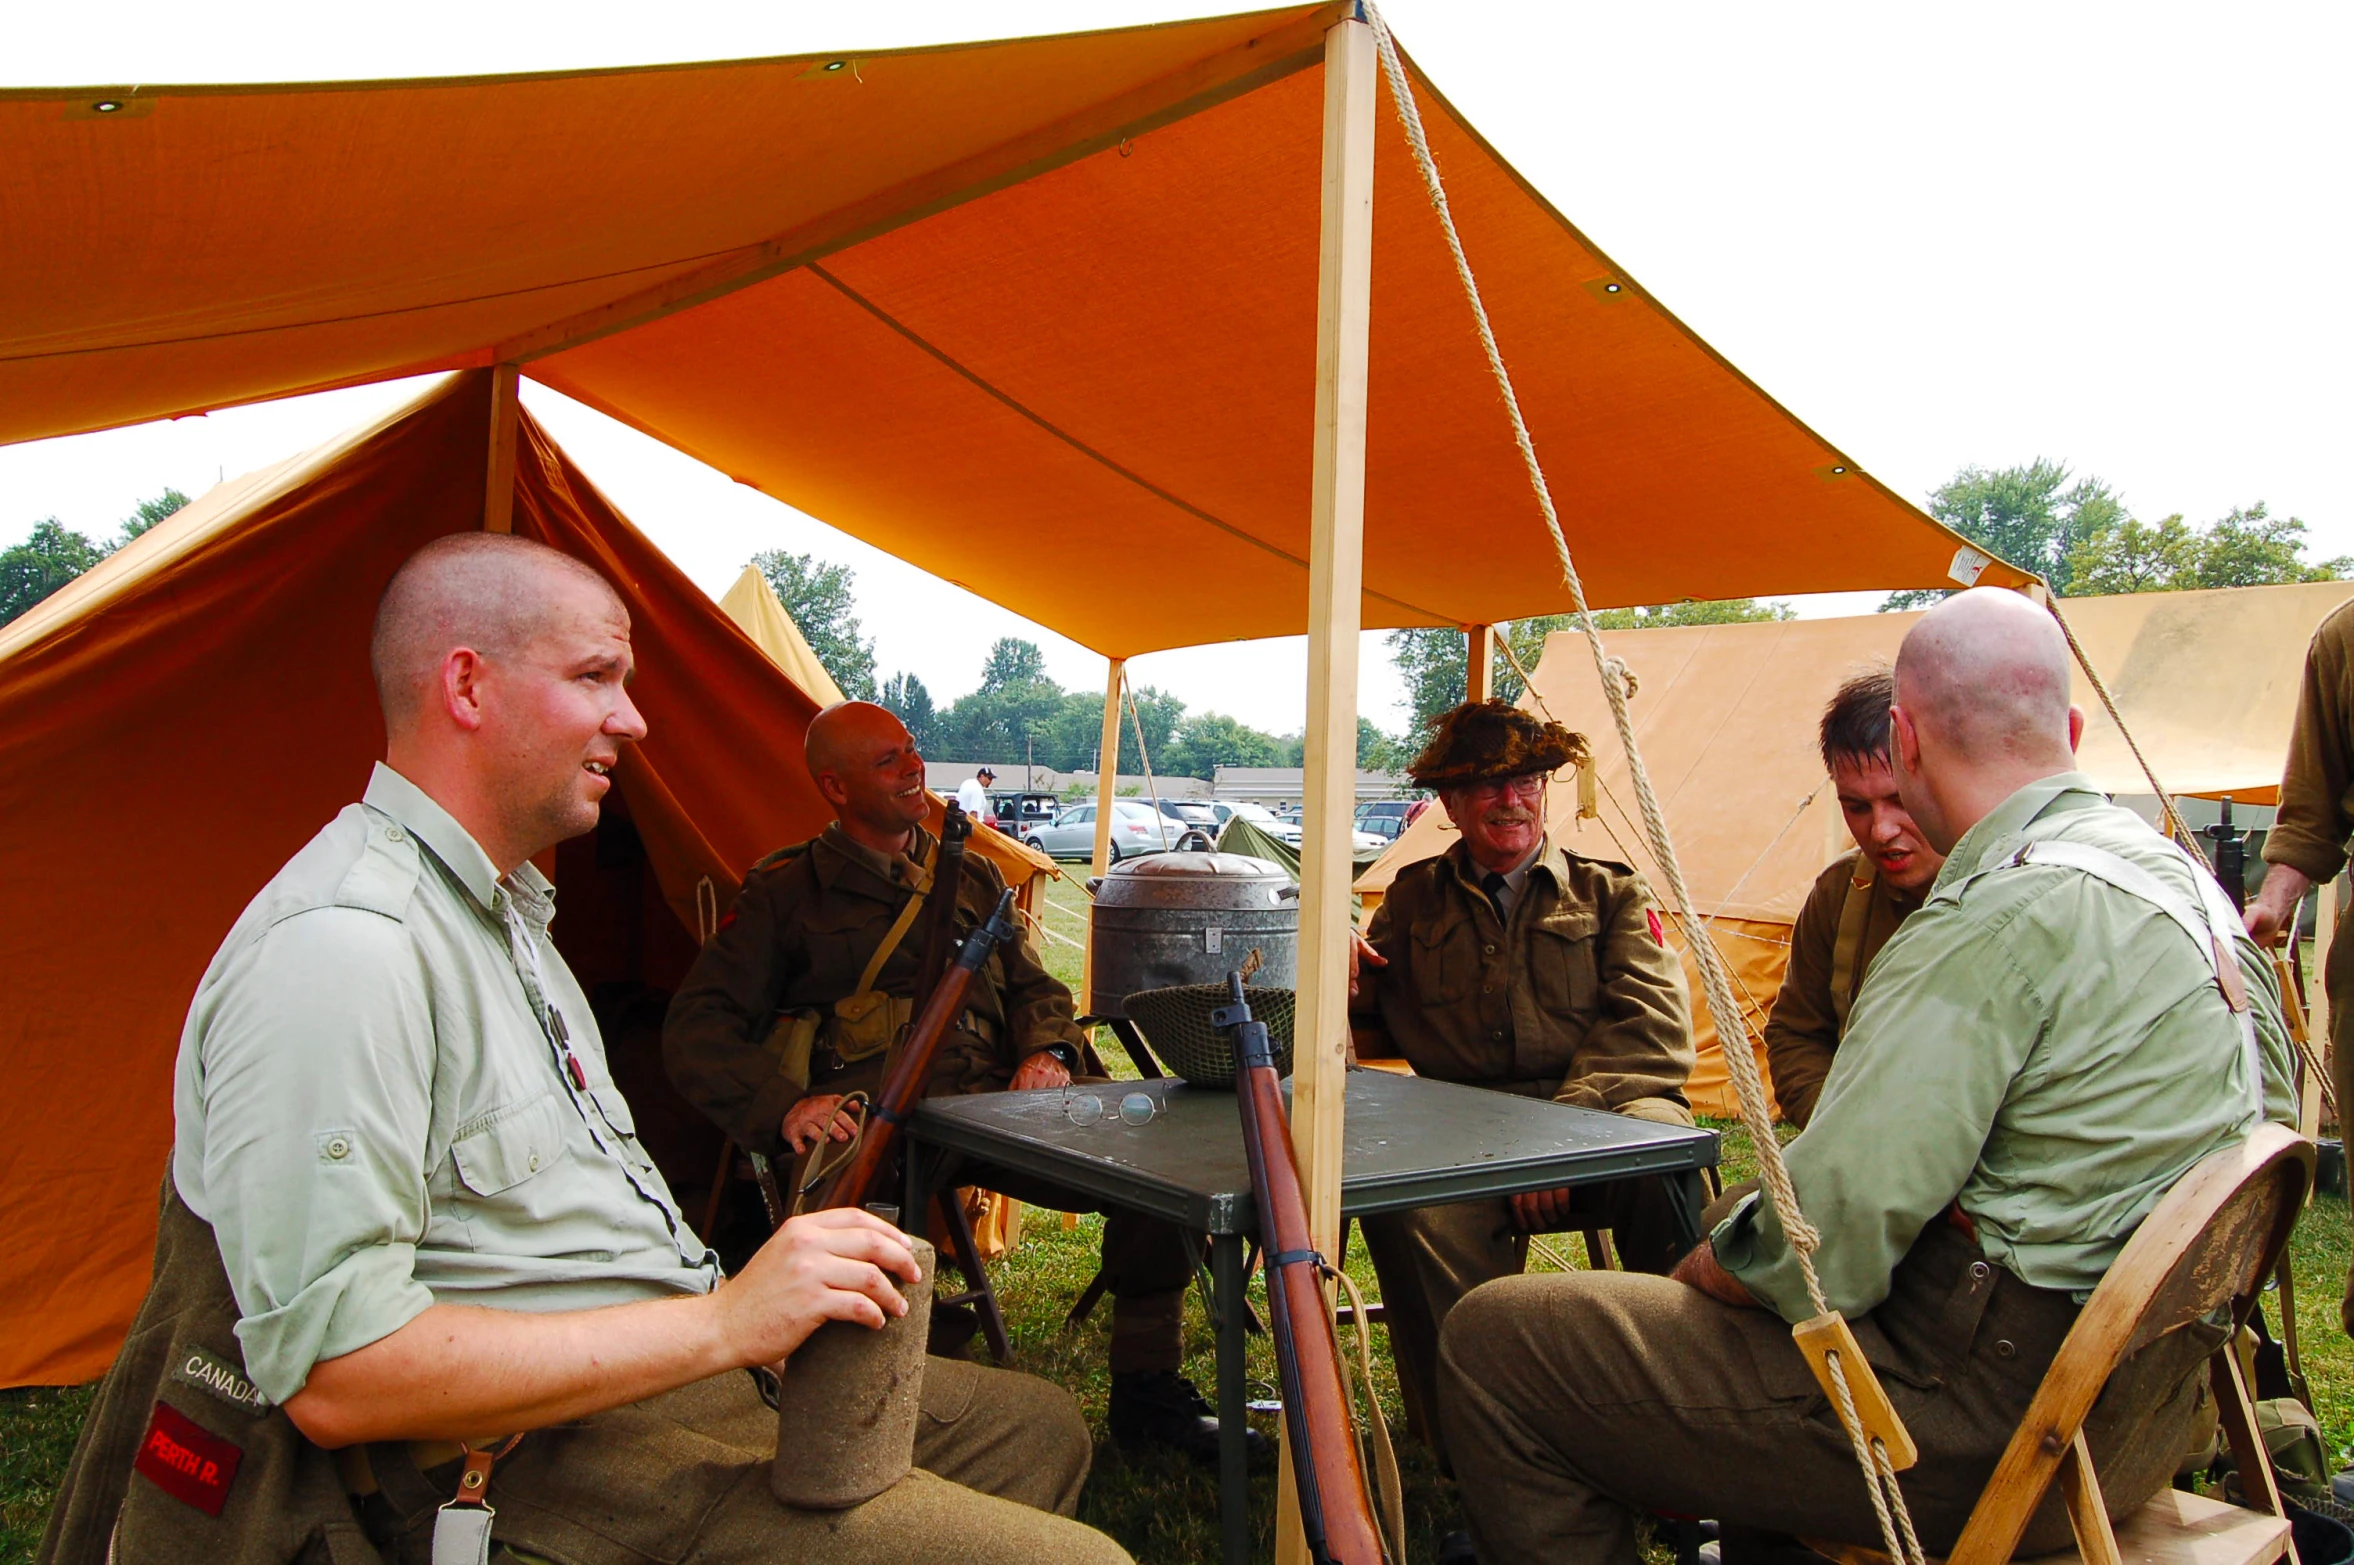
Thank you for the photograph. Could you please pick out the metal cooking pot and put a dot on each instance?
(1189, 918)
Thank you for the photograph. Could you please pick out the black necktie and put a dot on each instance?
(1493, 884)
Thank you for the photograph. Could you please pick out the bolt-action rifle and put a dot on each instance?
(903, 1088)
(1336, 1516)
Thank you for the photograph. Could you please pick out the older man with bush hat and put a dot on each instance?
(1509, 962)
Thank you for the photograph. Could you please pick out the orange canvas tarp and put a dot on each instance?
(1726, 716)
(184, 717)
(939, 298)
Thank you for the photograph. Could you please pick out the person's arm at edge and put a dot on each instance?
(458, 1372)
(2309, 831)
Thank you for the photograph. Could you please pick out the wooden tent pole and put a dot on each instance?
(498, 491)
(1336, 569)
(1479, 662)
(1107, 772)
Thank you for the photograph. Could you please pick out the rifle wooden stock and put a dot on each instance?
(939, 915)
(903, 1088)
(1335, 1515)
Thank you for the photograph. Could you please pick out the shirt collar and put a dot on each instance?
(2009, 818)
(838, 850)
(1545, 855)
(409, 806)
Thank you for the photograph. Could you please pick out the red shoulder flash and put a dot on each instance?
(187, 1461)
(1658, 935)
(728, 922)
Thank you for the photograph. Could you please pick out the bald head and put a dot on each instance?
(1987, 671)
(492, 592)
(868, 767)
(1981, 708)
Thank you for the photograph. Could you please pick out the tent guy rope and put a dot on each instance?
(1896, 1529)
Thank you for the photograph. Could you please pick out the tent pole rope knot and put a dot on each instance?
(1896, 1529)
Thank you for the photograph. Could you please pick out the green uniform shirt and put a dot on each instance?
(2046, 1050)
(374, 1119)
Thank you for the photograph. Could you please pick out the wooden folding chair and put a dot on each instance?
(2212, 1242)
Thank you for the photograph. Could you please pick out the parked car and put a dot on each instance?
(1016, 811)
(1258, 815)
(1385, 818)
(1198, 821)
(1136, 828)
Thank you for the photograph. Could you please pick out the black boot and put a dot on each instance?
(1158, 1407)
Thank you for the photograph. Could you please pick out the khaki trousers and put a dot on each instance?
(1430, 1257)
(1572, 1402)
(682, 1478)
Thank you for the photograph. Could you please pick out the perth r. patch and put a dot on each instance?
(187, 1461)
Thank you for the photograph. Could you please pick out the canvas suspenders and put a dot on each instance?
(1855, 917)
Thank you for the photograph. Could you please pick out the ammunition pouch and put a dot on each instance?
(863, 1025)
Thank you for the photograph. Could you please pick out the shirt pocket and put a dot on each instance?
(497, 1151)
(1444, 960)
(1564, 962)
(615, 1109)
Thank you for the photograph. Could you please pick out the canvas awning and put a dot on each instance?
(1059, 287)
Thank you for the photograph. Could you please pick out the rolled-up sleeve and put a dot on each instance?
(1912, 1095)
(317, 1089)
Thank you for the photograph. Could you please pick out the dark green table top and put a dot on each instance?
(1407, 1141)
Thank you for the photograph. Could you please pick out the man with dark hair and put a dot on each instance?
(1857, 901)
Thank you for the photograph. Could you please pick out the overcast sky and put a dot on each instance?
(2110, 234)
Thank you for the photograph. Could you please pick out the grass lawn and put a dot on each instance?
(1164, 1510)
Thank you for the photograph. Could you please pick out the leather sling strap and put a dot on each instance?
(920, 884)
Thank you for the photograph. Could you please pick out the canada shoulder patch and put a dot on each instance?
(187, 1461)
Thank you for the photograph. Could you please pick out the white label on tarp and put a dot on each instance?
(1213, 940)
(1968, 565)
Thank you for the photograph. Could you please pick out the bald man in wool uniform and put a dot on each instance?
(1510, 963)
(2038, 1054)
(794, 1003)
(409, 1220)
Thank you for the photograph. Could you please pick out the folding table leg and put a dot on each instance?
(1234, 1484)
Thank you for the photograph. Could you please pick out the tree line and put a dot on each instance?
(55, 554)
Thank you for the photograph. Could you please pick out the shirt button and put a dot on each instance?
(535, 1162)
(395, 834)
(338, 1148)
(1490, 950)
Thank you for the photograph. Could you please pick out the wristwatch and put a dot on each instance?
(1065, 1053)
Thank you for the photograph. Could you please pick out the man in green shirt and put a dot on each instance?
(2038, 1054)
(429, 1199)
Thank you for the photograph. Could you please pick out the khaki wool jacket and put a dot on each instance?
(1579, 1000)
(1802, 1031)
(798, 938)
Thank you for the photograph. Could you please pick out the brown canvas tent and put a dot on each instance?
(183, 717)
(1726, 715)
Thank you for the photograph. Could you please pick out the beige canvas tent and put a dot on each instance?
(1726, 714)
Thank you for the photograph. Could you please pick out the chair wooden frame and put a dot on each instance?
(2210, 1243)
